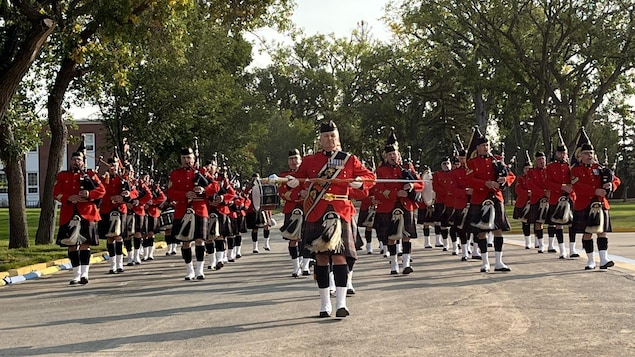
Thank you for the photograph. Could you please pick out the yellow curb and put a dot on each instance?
(3, 283)
(96, 259)
(160, 245)
(50, 270)
(4, 274)
(27, 269)
(60, 261)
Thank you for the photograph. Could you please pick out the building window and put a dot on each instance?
(4, 185)
(89, 142)
(32, 184)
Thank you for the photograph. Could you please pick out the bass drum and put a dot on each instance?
(166, 219)
(265, 196)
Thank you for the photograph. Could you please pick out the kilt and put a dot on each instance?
(441, 214)
(224, 225)
(312, 231)
(170, 238)
(384, 225)
(474, 216)
(86, 229)
(534, 212)
(580, 220)
(141, 223)
(200, 226)
(425, 217)
(250, 219)
(153, 224)
(552, 208)
(518, 212)
(454, 215)
(361, 217)
(104, 225)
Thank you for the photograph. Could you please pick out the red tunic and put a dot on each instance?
(158, 197)
(442, 186)
(537, 184)
(291, 197)
(459, 184)
(586, 179)
(522, 191)
(114, 187)
(311, 167)
(386, 192)
(182, 181)
(68, 184)
(558, 174)
(479, 171)
(145, 195)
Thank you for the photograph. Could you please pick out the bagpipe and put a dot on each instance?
(407, 174)
(607, 174)
(595, 220)
(500, 169)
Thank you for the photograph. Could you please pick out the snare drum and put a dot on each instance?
(166, 219)
(265, 196)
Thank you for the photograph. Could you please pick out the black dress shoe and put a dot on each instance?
(588, 268)
(306, 273)
(238, 256)
(490, 245)
(200, 277)
(231, 260)
(574, 255)
(608, 264)
(484, 270)
(219, 265)
(527, 248)
(393, 272)
(463, 259)
(350, 291)
(438, 245)
(294, 275)
(167, 254)
(445, 249)
(73, 282)
(551, 251)
(137, 263)
(324, 314)
(562, 257)
(455, 253)
(150, 258)
(478, 257)
(342, 312)
(407, 270)
(130, 264)
(120, 270)
(173, 253)
(502, 269)
(255, 252)
(83, 280)
(112, 271)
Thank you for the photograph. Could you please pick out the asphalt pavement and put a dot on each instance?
(544, 307)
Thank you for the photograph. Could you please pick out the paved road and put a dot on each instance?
(543, 307)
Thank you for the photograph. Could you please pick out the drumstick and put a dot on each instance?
(278, 180)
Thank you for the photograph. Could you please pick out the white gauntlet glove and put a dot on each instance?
(357, 183)
(292, 182)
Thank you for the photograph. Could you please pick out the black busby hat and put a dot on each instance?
(445, 159)
(391, 142)
(461, 153)
(583, 143)
(562, 147)
(455, 160)
(528, 161)
(186, 150)
(477, 139)
(539, 154)
(326, 127)
(294, 152)
(81, 150)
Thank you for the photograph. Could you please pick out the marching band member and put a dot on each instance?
(487, 175)
(538, 200)
(327, 228)
(153, 214)
(114, 211)
(78, 191)
(560, 189)
(425, 213)
(144, 195)
(459, 195)
(366, 216)
(441, 183)
(190, 193)
(394, 219)
(293, 216)
(592, 183)
(220, 211)
(522, 205)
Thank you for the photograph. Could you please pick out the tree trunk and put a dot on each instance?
(59, 138)
(18, 233)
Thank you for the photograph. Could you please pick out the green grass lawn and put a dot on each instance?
(621, 217)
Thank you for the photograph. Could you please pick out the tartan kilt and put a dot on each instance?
(454, 215)
(441, 214)
(251, 220)
(423, 217)
(384, 226)
(169, 236)
(312, 231)
(533, 213)
(104, 225)
(153, 224)
(518, 212)
(141, 223)
(580, 220)
(474, 216)
(224, 225)
(550, 212)
(87, 229)
(200, 227)
(363, 214)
